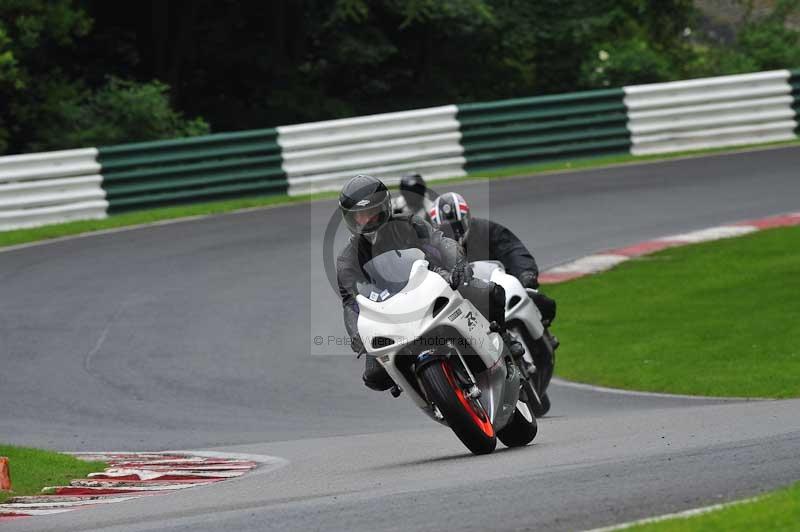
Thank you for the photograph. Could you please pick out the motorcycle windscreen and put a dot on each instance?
(388, 273)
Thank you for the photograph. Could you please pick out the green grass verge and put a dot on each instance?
(22, 236)
(720, 319)
(777, 511)
(33, 469)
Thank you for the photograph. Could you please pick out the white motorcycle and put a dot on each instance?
(524, 322)
(442, 352)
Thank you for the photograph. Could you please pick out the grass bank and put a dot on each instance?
(22, 236)
(777, 511)
(33, 469)
(717, 319)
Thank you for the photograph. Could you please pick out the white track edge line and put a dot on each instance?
(267, 463)
(618, 391)
(677, 515)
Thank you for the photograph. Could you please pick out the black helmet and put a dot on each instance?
(450, 214)
(366, 204)
(413, 188)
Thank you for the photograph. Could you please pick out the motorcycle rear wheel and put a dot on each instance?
(541, 401)
(464, 415)
(542, 406)
(520, 431)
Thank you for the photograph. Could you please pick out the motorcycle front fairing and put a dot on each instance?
(395, 324)
(520, 308)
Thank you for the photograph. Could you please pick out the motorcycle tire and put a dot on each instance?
(541, 401)
(520, 430)
(465, 416)
(540, 404)
(540, 407)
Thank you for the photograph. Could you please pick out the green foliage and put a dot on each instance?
(51, 100)
(762, 43)
(9, 73)
(388, 54)
(251, 64)
(121, 111)
(636, 41)
(626, 63)
(770, 43)
(34, 36)
(8, 79)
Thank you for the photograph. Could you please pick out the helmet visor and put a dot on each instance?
(362, 221)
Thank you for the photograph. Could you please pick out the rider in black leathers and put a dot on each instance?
(415, 197)
(366, 208)
(487, 240)
(484, 239)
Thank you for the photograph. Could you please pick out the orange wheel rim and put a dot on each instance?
(478, 415)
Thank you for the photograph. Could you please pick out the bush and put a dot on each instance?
(121, 111)
(627, 62)
(763, 43)
(770, 45)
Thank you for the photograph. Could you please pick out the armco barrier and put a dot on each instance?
(52, 187)
(711, 112)
(529, 130)
(322, 155)
(438, 142)
(794, 81)
(193, 169)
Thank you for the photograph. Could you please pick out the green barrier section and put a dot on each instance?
(544, 128)
(794, 81)
(211, 167)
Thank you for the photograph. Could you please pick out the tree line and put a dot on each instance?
(91, 72)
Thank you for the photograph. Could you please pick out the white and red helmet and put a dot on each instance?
(450, 214)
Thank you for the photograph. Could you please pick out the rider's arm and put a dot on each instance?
(348, 273)
(508, 249)
(444, 251)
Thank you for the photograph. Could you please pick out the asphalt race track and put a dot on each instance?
(199, 335)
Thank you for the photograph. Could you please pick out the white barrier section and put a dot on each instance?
(710, 112)
(50, 187)
(322, 155)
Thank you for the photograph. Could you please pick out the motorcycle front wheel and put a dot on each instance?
(464, 415)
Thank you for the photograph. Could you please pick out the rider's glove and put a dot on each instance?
(444, 274)
(461, 274)
(529, 279)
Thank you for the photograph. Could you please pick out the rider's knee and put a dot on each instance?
(497, 300)
(547, 306)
